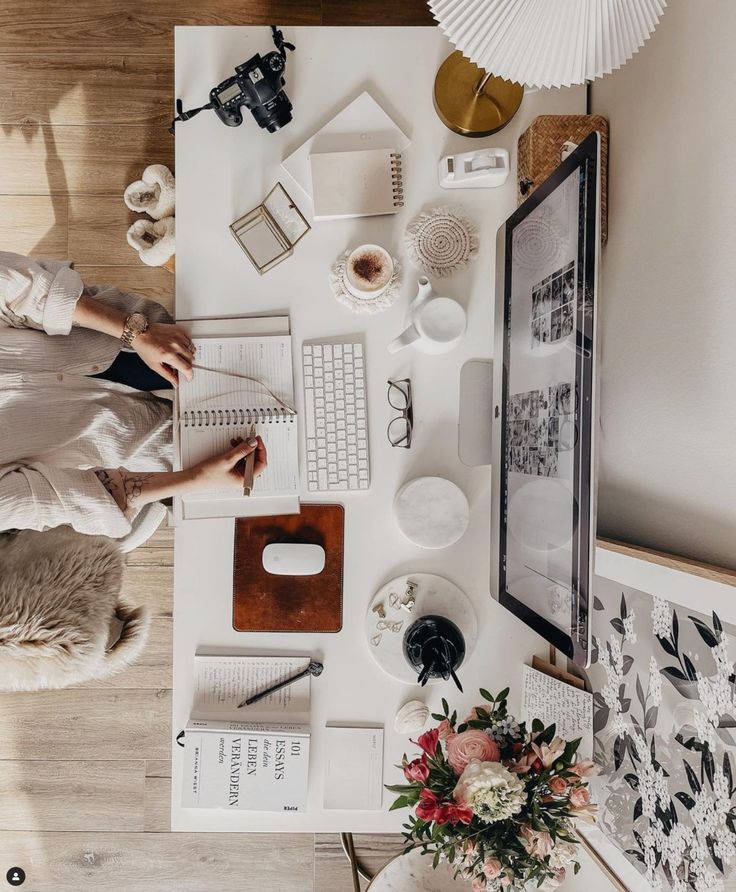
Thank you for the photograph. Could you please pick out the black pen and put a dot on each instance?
(314, 669)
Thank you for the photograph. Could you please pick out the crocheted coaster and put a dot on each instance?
(369, 304)
(441, 241)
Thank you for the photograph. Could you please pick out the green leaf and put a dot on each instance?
(503, 695)
(401, 802)
(445, 707)
(486, 696)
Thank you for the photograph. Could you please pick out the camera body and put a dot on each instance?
(257, 85)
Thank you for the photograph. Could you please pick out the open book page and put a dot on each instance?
(222, 682)
(240, 383)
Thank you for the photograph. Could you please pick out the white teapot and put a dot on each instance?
(437, 323)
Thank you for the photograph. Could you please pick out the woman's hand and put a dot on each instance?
(226, 471)
(167, 349)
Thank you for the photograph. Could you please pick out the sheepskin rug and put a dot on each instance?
(62, 621)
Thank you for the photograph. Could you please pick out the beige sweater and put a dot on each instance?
(58, 425)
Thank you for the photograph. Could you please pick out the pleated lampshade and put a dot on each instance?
(548, 43)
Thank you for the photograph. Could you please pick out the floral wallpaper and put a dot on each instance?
(664, 721)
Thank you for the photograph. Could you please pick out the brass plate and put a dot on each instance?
(464, 110)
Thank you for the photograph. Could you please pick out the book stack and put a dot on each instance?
(246, 758)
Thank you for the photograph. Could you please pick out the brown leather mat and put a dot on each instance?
(263, 602)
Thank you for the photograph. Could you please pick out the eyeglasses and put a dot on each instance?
(399, 428)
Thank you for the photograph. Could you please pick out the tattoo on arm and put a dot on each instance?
(126, 487)
(133, 484)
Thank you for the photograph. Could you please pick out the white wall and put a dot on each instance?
(668, 316)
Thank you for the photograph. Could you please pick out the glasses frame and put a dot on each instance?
(407, 414)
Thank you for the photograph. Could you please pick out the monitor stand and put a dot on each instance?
(475, 416)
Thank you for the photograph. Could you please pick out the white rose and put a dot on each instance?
(491, 791)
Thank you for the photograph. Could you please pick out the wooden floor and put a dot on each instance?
(85, 99)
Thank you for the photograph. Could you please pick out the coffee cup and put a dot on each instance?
(368, 271)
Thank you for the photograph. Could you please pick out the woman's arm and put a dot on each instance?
(133, 489)
(164, 348)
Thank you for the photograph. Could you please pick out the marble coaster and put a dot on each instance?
(414, 873)
(432, 512)
(433, 594)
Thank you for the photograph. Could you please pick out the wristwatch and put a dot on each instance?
(135, 324)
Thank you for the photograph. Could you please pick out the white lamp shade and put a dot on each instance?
(548, 43)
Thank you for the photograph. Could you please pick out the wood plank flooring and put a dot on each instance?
(85, 782)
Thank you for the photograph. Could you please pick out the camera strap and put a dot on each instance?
(182, 115)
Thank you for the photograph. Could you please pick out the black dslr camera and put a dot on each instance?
(257, 85)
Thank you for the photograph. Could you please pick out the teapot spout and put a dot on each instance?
(424, 290)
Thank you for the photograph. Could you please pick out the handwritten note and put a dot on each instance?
(551, 700)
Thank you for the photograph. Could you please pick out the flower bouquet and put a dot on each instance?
(497, 802)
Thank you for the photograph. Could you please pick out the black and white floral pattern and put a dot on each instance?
(664, 705)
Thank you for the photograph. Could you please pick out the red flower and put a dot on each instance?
(427, 805)
(430, 808)
(428, 741)
(418, 770)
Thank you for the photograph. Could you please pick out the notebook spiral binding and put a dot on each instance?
(226, 417)
(397, 180)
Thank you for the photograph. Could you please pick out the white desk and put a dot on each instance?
(223, 172)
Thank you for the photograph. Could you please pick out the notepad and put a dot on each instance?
(240, 384)
(354, 768)
(356, 184)
(553, 701)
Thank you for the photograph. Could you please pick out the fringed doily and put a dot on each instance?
(371, 303)
(441, 241)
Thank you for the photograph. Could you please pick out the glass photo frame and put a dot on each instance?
(269, 232)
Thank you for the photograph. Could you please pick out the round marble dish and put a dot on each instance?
(431, 512)
(434, 594)
(414, 873)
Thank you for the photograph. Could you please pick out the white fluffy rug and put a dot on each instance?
(61, 618)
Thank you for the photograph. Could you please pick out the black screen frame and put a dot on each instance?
(586, 159)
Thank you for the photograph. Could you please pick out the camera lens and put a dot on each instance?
(273, 115)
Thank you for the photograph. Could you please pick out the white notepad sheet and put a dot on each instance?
(354, 768)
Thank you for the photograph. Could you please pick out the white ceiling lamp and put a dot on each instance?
(539, 43)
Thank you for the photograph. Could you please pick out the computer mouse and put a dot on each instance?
(293, 559)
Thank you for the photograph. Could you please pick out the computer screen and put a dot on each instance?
(544, 523)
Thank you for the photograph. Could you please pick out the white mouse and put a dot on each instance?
(293, 559)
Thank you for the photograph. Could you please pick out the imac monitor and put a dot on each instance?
(545, 404)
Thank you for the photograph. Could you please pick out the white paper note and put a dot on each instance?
(553, 701)
(354, 768)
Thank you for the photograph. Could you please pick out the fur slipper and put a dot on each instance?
(154, 242)
(154, 193)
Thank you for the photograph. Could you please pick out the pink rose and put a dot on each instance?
(585, 769)
(445, 730)
(558, 785)
(472, 716)
(492, 868)
(418, 770)
(468, 746)
(478, 884)
(428, 741)
(537, 842)
(579, 796)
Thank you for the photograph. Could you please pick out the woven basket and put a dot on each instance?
(540, 153)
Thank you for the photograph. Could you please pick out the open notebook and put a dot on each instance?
(239, 384)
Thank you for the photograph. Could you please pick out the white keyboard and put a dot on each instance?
(336, 417)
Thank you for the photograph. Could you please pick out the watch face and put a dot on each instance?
(137, 323)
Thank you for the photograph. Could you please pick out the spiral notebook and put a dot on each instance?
(239, 384)
(356, 184)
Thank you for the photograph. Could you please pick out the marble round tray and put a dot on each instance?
(434, 594)
(414, 873)
(431, 512)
